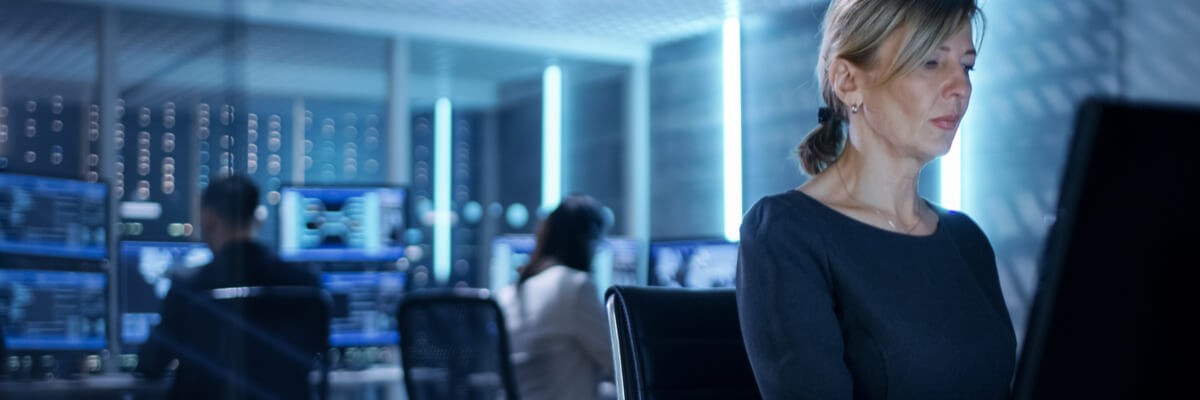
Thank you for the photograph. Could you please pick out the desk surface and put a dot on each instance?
(107, 382)
(108, 385)
(373, 375)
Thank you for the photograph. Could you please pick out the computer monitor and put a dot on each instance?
(144, 275)
(705, 263)
(54, 310)
(1112, 315)
(509, 252)
(364, 307)
(341, 224)
(53, 217)
(616, 263)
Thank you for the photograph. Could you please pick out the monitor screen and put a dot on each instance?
(693, 263)
(53, 310)
(53, 217)
(616, 263)
(1113, 312)
(341, 224)
(145, 273)
(364, 307)
(509, 252)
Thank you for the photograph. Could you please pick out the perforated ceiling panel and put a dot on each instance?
(639, 20)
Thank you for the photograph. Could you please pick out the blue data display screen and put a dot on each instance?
(616, 263)
(509, 252)
(341, 224)
(146, 271)
(53, 310)
(364, 307)
(52, 217)
(693, 264)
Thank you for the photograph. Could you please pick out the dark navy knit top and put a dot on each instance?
(834, 308)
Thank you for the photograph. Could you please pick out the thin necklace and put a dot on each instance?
(890, 222)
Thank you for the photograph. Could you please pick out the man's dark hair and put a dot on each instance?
(233, 199)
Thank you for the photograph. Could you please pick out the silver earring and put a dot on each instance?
(854, 109)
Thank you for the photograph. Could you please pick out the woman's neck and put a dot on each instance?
(880, 181)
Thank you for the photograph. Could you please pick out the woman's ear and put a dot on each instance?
(845, 78)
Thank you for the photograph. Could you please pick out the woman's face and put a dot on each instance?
(919, 113)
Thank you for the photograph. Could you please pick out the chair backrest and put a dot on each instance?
(673, 343)
(266, 343)
(3, 354)
(454, 346)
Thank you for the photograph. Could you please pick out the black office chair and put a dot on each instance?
(269, 341)
(672, 343)
(454, 346)
(3, 354)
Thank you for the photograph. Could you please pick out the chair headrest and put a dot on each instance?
(239, 292)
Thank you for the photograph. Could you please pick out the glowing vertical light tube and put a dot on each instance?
(951, 174)
(732, 95)
(551, 137)
(441, 189)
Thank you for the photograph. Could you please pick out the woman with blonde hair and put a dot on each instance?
(852, 286)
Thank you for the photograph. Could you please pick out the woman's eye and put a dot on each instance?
(931, 64)
(968, 68)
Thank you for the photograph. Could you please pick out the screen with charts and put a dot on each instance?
(145, 273)
(364, 307)
(693, 263)
(341, 224)
(53, 310)
(53, 217)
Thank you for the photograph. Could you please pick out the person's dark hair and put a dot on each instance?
(568, 236)
(855, 30)
(233, 199)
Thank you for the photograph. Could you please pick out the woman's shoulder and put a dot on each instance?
(962, 228)
(553, 282)
(790, 209)
(959, 222)
(558, 276)
(570, 275)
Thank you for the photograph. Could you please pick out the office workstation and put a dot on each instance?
(515, 172)
(62, 309)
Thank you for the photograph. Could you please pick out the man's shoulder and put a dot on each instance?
(297, 276)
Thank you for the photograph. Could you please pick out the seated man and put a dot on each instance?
(186, 334)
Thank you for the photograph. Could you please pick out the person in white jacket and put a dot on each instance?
(557, 327)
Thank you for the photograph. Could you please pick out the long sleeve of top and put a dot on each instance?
(833, 308)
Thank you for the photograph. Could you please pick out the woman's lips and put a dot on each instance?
(946, 123)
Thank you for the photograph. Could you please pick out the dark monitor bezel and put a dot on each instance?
(1090, 130)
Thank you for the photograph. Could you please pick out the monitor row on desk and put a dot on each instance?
(55, 278)
(56, 282)
(55, 320)
(65, 218)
